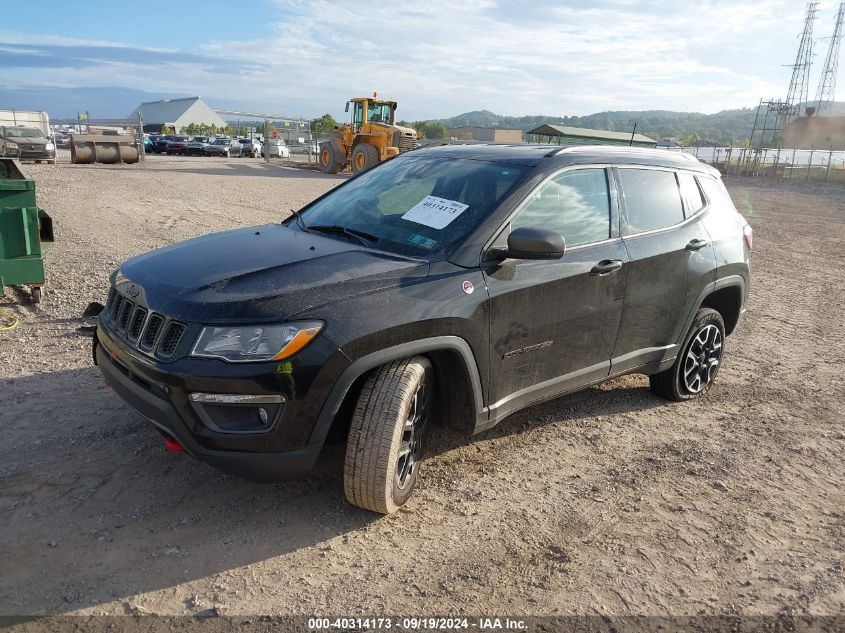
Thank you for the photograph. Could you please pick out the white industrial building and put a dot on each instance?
(177, 113)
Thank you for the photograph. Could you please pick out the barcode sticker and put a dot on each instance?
(435, 212)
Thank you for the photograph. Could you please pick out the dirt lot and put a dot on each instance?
(610, 501)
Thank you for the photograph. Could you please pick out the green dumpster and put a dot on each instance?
(25, 230)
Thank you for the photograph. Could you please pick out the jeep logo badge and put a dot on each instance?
(132, 291)
(468, 287)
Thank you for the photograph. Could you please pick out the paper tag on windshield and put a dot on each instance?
(435, 212)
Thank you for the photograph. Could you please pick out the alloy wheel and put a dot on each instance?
(411, 444)
(702, 359)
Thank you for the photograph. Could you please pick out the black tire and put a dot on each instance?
(698, 363)
(364, 157)
(330, 161)
(385, 441)
(37, 294)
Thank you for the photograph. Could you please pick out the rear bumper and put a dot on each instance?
(154, 406)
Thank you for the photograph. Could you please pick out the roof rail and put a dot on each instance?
(647, 151)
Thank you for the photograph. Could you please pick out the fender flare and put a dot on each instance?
(719, 284)
(370, 361)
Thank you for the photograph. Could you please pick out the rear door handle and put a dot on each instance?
(697, 244)
(606, 266)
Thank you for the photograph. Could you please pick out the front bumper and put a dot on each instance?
(160, 392)
(37, 154)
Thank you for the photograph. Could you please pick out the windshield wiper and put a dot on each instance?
(299, 221)
(362, 236)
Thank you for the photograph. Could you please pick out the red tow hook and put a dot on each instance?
(172, 445)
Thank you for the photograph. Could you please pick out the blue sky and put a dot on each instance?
(438, 59)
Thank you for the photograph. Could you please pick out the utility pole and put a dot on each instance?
(141, 151)
(827, 82)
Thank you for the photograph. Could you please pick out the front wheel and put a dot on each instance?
(695, 368)
(364, 157)
(384, 447)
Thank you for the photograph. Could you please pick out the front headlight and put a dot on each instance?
(11, 145)
(245, 343)
(49, 146)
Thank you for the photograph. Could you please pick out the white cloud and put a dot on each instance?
(441, 58)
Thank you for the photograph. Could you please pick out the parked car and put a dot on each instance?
(8, 148)
(177, 145)
(251, 147)
(27, 143)
(64, 141)
(456, 283)
(149, 142)
(296, 147)
(224, 147)
(160, 144)
(197, 145)
(276, 148)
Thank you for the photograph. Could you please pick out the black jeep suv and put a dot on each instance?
(451, 284)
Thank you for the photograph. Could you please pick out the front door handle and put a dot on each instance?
(697, 244)
(606, 266)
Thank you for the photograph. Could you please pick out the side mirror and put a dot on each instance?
(530, 243)
(347, 107)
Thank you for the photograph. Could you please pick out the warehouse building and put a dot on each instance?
(177, 113)
(564, 135)
(486, 134)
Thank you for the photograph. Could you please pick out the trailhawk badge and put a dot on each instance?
(468, 287)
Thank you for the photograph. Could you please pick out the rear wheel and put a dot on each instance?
(696, 366)
(330, 160)
(385, 436)
(364, 157)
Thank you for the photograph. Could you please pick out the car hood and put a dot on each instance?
(26, 140)
(263, 273)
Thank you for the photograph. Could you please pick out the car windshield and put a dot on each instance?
(416, 205)
(221, 141)
(23, 132)
(200, 139)
(180, 139)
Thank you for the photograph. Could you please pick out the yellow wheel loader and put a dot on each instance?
(370, 138)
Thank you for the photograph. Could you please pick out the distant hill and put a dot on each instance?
(728, 126)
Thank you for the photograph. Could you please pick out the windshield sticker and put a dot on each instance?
(435, 212)
(422, 240)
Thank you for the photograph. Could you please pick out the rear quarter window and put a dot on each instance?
(690, 193)
(716, 193)
(652, 199)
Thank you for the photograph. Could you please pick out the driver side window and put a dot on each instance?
(574, 203)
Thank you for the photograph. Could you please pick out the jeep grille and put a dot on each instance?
(149, 332)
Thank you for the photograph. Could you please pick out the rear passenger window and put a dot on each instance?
(691, 194)
(652, 199)
(574, 203)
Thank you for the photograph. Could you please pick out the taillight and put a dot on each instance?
(748, 234)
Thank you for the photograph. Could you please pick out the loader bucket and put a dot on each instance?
(103, 148)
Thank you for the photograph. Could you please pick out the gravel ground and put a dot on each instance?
(608, 502)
